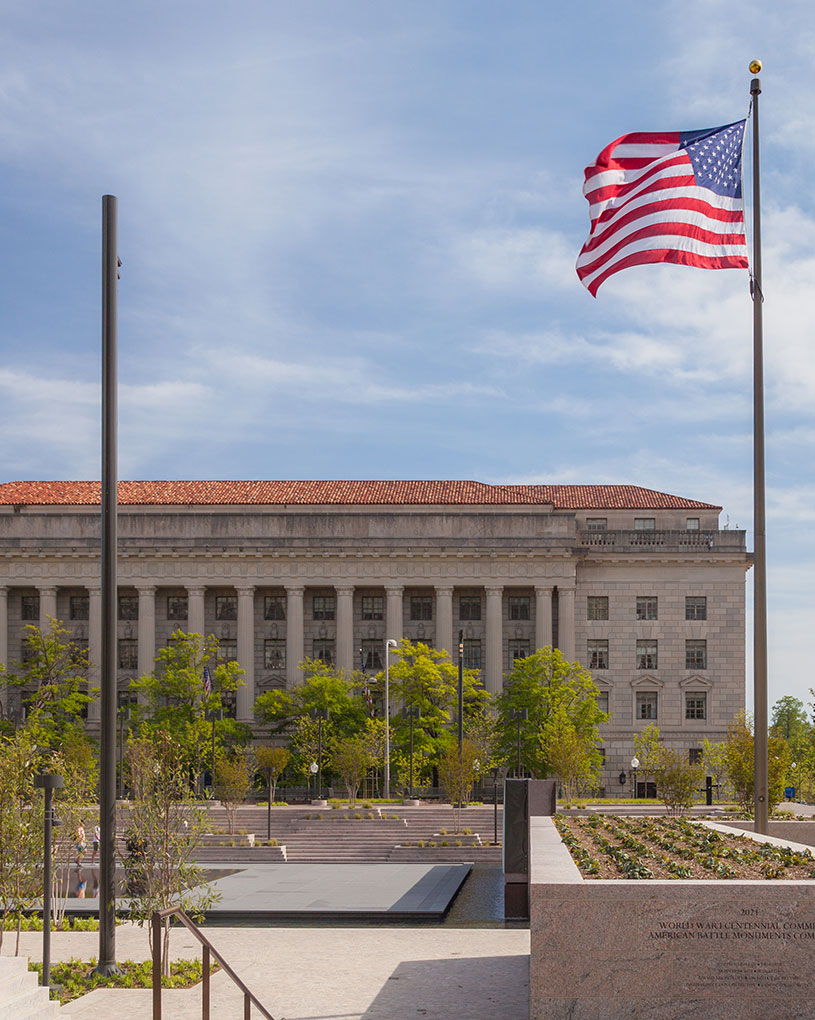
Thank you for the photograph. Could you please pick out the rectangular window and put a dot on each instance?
(469, 607)
(421, 607)
(30, 607)
(226, 607)
(696, 655)
(518, 649)
(602, 701)
(472, 654)
(518, 607)
(128, 653)
(598, 654)
(646, 704)
(79, 607)
(176, 607)
(596, 523)
(695, 607)
(324, 651)
(692, 524)
(646, 607)
(274, 607)
(696, 705)
(372, 652)
(597, 607)
(227, 650)
(646, 655)
(696, 756)
(602, 752)
(373, 607)
(324, 607)
(128, 607)
(644, 523)
(274, 653)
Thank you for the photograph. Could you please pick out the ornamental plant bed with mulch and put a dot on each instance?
(607, 846)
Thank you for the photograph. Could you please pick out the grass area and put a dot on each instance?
(77, 977)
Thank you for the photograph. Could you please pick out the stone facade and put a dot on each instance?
(639, 586)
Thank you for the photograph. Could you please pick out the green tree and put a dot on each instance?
(648, 750)
(457, 773)
(272, 762)
(52, 681)
(162, 833)
(230, 783)
(544, 683)
(714, 757)
(21, 834)
(789, 720)
(677, 780)
(173, 698)
(351, 758)
(572, 756)
(427, 678)
(740, 757)
(275, 710)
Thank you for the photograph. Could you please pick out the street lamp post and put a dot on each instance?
(460, 692)
(389, 643)
(519, 715)
(319, 714)
(124, 714)
(411, 712)
(47, 781)
(635, 764)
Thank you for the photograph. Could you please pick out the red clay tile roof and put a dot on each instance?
(354, 493)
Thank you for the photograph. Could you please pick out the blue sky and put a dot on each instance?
(349, 232)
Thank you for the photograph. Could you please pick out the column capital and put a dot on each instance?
(47, 590)
(245, 590)
(146, 589)
(543, 589)
(344, 589)
(444, 589)
(94, 590)
(395, 589)
(3, 590)
(494, 589)
(296, 591)
(194, 589)
(566, 589)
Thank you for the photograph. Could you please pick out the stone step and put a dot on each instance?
(21, 997)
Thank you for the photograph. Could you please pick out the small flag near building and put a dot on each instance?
(671, 196)
(207, 682)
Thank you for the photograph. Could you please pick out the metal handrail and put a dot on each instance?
(207, 950)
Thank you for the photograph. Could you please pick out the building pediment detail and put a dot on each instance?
(649, 681)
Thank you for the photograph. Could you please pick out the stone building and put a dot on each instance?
(642, 587)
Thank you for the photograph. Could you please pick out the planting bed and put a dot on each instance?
(607, 846)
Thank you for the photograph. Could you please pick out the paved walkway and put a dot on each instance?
(326, 973)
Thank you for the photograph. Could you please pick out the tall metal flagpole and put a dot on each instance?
(760, 775)
(107, 772)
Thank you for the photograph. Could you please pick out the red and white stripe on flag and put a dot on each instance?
(665, 197)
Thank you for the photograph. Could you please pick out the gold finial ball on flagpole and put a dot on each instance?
(755, 66)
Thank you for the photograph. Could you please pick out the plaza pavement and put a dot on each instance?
(372, 973)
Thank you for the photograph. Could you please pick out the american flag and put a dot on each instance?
(207, 682)
(671, 196)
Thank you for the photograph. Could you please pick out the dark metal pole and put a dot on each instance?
(411, 754)
(495, 808)
(519, 745)
(320, 757)
(460, 691)
(761, 777)
(48, 781)
(107, 772)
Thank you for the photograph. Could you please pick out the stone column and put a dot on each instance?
(295, 642)
(393, 616)
(566, 622)
(196, 622)
(147, 628)
(94, 652)
(444, 622)
(246, 653)
(495, 639)
(543, 616)
(4, 641)
(345, 628)
(48, 607)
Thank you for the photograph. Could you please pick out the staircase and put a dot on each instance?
(369, 835)
(21, 997)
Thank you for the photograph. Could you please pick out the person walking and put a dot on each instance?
(80, 841)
